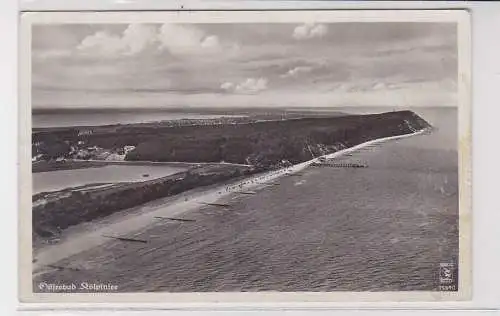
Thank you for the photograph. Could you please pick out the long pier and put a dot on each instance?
(175, 206)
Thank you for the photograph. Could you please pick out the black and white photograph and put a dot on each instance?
(260, 152)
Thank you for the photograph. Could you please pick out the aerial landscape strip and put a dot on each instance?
(77, 243)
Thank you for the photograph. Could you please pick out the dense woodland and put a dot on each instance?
(264, 145)
(75, 207)
(261, 143)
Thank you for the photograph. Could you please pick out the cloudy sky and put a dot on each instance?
(219, 65)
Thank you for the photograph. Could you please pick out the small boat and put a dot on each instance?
(145, 175)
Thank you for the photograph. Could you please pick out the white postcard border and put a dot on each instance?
(276, 299)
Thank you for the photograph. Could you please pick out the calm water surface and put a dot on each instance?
(63, 179)
(381, 228)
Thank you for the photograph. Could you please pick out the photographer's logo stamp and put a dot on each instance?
(448, 278)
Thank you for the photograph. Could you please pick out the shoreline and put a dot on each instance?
(84, 241)
(73, 164)
(160, 163)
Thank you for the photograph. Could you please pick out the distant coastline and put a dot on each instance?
(231, 150)
(102, 116)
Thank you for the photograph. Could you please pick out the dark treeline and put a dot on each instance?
(267, 143)
(50, 218)
(263, 143)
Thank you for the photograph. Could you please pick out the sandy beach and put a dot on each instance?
(321, 229)
(127, 225)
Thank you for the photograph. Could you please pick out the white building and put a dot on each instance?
(128, 149)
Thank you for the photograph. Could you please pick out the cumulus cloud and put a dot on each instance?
(294, 72)
(211, 41)
(101, 42)
(249, 86)
(252, 85)
(184, 39)
(134, 39)
(309, 30)
(227, 86)
(175, 38)
(379, 86)
(384, 86)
